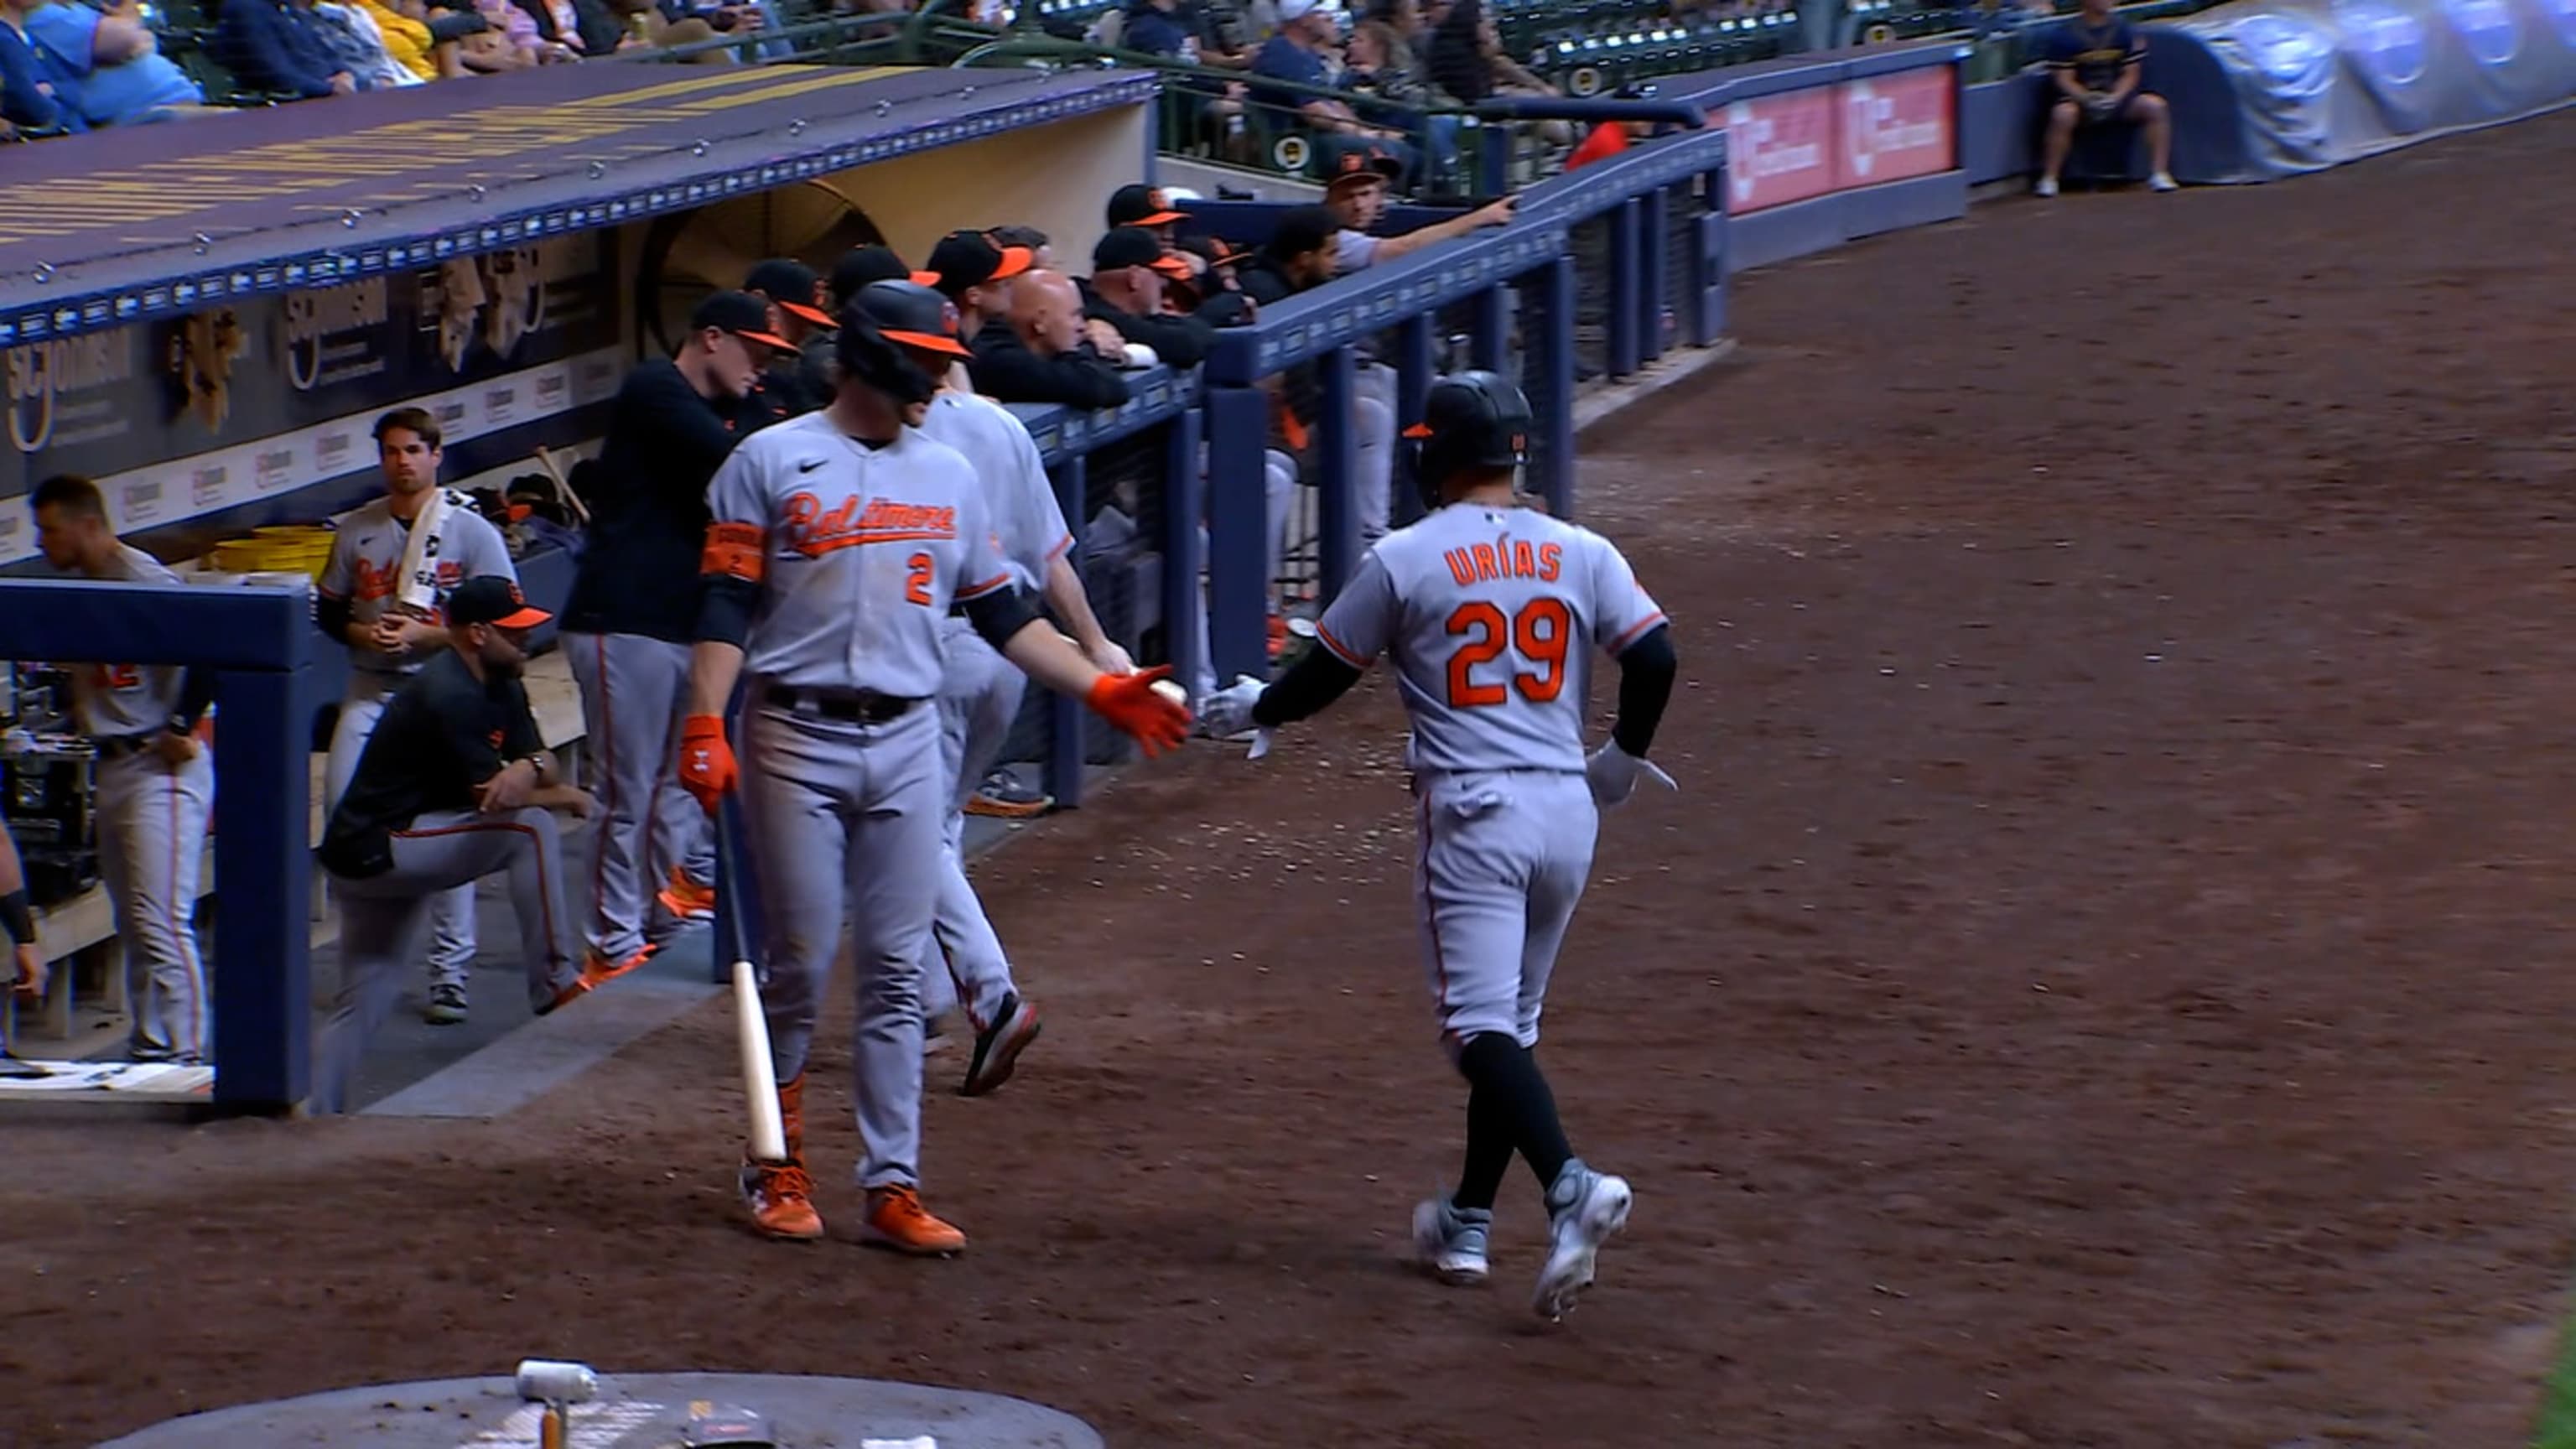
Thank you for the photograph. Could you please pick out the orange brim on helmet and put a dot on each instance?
(929, 342)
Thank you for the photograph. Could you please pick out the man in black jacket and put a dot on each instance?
(1128, 274)
(634, 612)
(1041, 354)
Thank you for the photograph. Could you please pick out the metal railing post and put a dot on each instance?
(1238, 502)
(1620, 326)
(1551, 356)
(1413, 374)
(1338, 471)
(1184, 502)
(1490, 345)
(1066, 716)
(1653, 305)
(260, 978)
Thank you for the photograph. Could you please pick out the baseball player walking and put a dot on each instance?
(1484, 608)
(633, 612)
(156, 786)
(393, 564)
(979, 692)
(839, 543)
(453, 785)
(18, 922)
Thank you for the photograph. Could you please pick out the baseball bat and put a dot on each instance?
(759, 1081)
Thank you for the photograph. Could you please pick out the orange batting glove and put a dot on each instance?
(1130, 702)
(707, 769)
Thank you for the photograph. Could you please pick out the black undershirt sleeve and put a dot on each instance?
(331, 616)
(725, 607)
(1317, 679)
(1646, 670)
(1000, 614)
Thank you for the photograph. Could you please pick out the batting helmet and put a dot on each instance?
(885, 327)
(1474, 419)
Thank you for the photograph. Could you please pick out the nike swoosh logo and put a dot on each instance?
(810, 464)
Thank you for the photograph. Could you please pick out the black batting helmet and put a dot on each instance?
(1474, 419)
(885, 327)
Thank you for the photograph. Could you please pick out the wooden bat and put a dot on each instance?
(759, 1080)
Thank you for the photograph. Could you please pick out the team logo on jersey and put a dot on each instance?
(370, 580)
(812, 529)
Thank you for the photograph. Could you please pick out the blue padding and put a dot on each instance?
(75, 621)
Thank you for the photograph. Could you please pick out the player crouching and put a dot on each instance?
(1483, 607)
(838, 543)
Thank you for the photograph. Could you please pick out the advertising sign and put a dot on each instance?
(233, 405)
(1779, 149)
(1897, 126)
(1854, 133)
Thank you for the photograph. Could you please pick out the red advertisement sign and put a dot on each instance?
(1780, 149)
(1897, 125)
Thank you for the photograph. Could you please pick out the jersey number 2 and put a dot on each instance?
(1537, 634)
(916, 580)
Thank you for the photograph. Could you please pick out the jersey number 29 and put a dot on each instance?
(1535, 636)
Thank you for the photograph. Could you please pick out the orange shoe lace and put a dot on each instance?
(790, 1183)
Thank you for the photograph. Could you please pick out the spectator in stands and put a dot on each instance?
(2094, 63)
(795, 296)
(586, 28)
(454, 785)
(40, 88)
(1046, 351)
(1384, 66)
(153, 780)
(1358, 200)
(359, 46)
(279, 47)
(634, 613)
(1466, 59)
(124, 78)
(418, 41)
(1129, 271)
(1301, 54)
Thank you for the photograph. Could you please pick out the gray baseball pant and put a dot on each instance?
(1504, 857)
(634, 693)
(381, 916)
(151, 852)
(451, 916)
(1373, 416)
(843, 812)
(979, 699)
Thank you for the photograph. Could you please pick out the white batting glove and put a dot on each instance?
(1229, 710)
(1612, 773)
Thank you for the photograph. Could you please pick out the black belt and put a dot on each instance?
(850, 706)
(111, 747)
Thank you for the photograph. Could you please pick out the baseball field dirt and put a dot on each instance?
(2106, 982)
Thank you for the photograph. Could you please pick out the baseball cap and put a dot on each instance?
(1295, 10)
(741, 314)
(861, 265)
(969, 259)
(1133, 246)
(790, 284)
(910, 314)
(492, 599)
(1141, 205)
(1303, 229)
(1358, 170)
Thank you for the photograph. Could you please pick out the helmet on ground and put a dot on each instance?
(1473, 420)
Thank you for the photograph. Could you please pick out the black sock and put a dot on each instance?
(1489, 1150)
(1498, 1067)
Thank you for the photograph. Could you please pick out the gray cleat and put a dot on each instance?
(1450, 1241)
(1584, 1209)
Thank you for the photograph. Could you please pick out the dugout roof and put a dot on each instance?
(100, 230)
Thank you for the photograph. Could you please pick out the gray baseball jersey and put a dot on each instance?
(128, 699)
(1484, 612)
(1019, 502)
(863, 550)
(366, 561)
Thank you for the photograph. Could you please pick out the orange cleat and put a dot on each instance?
(781, 1198)
(685, 899)
(597, 970)
(896, 1219)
